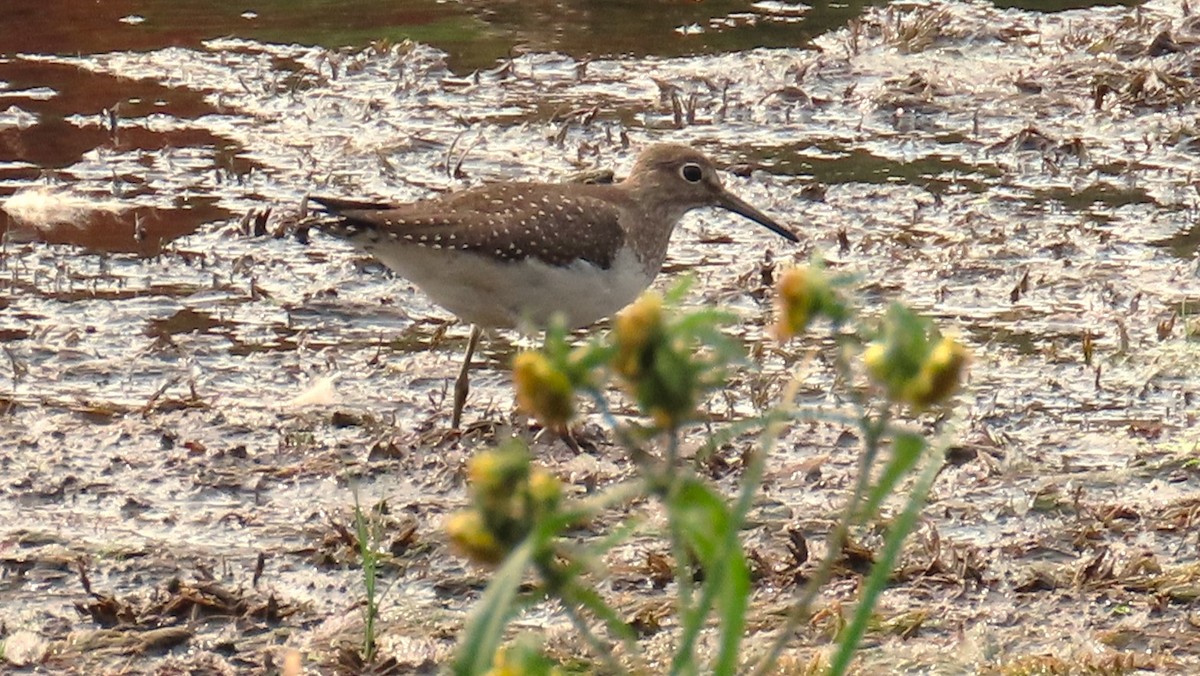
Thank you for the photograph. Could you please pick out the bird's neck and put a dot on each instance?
(650, 232)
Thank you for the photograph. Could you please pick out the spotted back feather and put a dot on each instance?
(555, 224)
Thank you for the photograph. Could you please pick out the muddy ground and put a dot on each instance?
(1031, 180)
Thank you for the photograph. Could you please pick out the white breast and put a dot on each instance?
(499, 294)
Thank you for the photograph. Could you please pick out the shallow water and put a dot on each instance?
(957, 147)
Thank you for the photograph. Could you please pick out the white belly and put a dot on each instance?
(499, 294)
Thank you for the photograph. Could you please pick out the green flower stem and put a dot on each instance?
(370, 562)
(799, 613)
(750, 483)
(683, 567)
(636, 453)
(882, 568)
(561, 585)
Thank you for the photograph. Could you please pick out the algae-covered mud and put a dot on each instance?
(190, 407)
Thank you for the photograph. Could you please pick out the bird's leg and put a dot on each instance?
(462, 385)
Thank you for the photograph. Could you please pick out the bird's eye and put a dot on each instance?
(691, 172)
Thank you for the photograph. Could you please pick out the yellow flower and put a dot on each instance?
(798, 295)
(939, 376)
(502, 665)
(875, 358)
(471, 537)
(667, 419)
(521, 659)
(637, 326)
(499, 470)
(544, 488)
(543, 390)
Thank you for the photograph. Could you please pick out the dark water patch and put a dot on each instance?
(76, 90)
(186, 320)
(138, 230)
(1183, 244)
(58, 140)
(1062, 5)
(47, 145)
(836, 164)
(1022, 341)
(475, 35)
(1094, 196)
(632, 28)
(8, 335)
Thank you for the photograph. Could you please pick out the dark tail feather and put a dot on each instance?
(336, 205)
(343, 218)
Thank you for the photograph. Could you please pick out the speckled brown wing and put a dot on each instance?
(509, 221)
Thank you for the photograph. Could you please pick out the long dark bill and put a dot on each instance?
(739, 206)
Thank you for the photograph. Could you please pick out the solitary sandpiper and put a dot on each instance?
(505, 255)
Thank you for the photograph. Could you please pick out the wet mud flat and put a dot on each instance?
(1030, 180)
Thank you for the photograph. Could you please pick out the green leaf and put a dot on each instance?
(705, 521)
(878, 577)
(679, 291)
(702, 515)
(620, 533)
(492, 613)
(590, 599)
(906, 450)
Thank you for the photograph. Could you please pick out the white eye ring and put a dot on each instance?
(691, 172)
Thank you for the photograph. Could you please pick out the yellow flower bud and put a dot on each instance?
(666, 419)
(636, 327)
(939, 376)
(544, 488)
(503, 666)
(875, 359)
(520, 660)
(471, 537)
(498, 469)
(483, 469)
(543, 390)
(797, 298)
